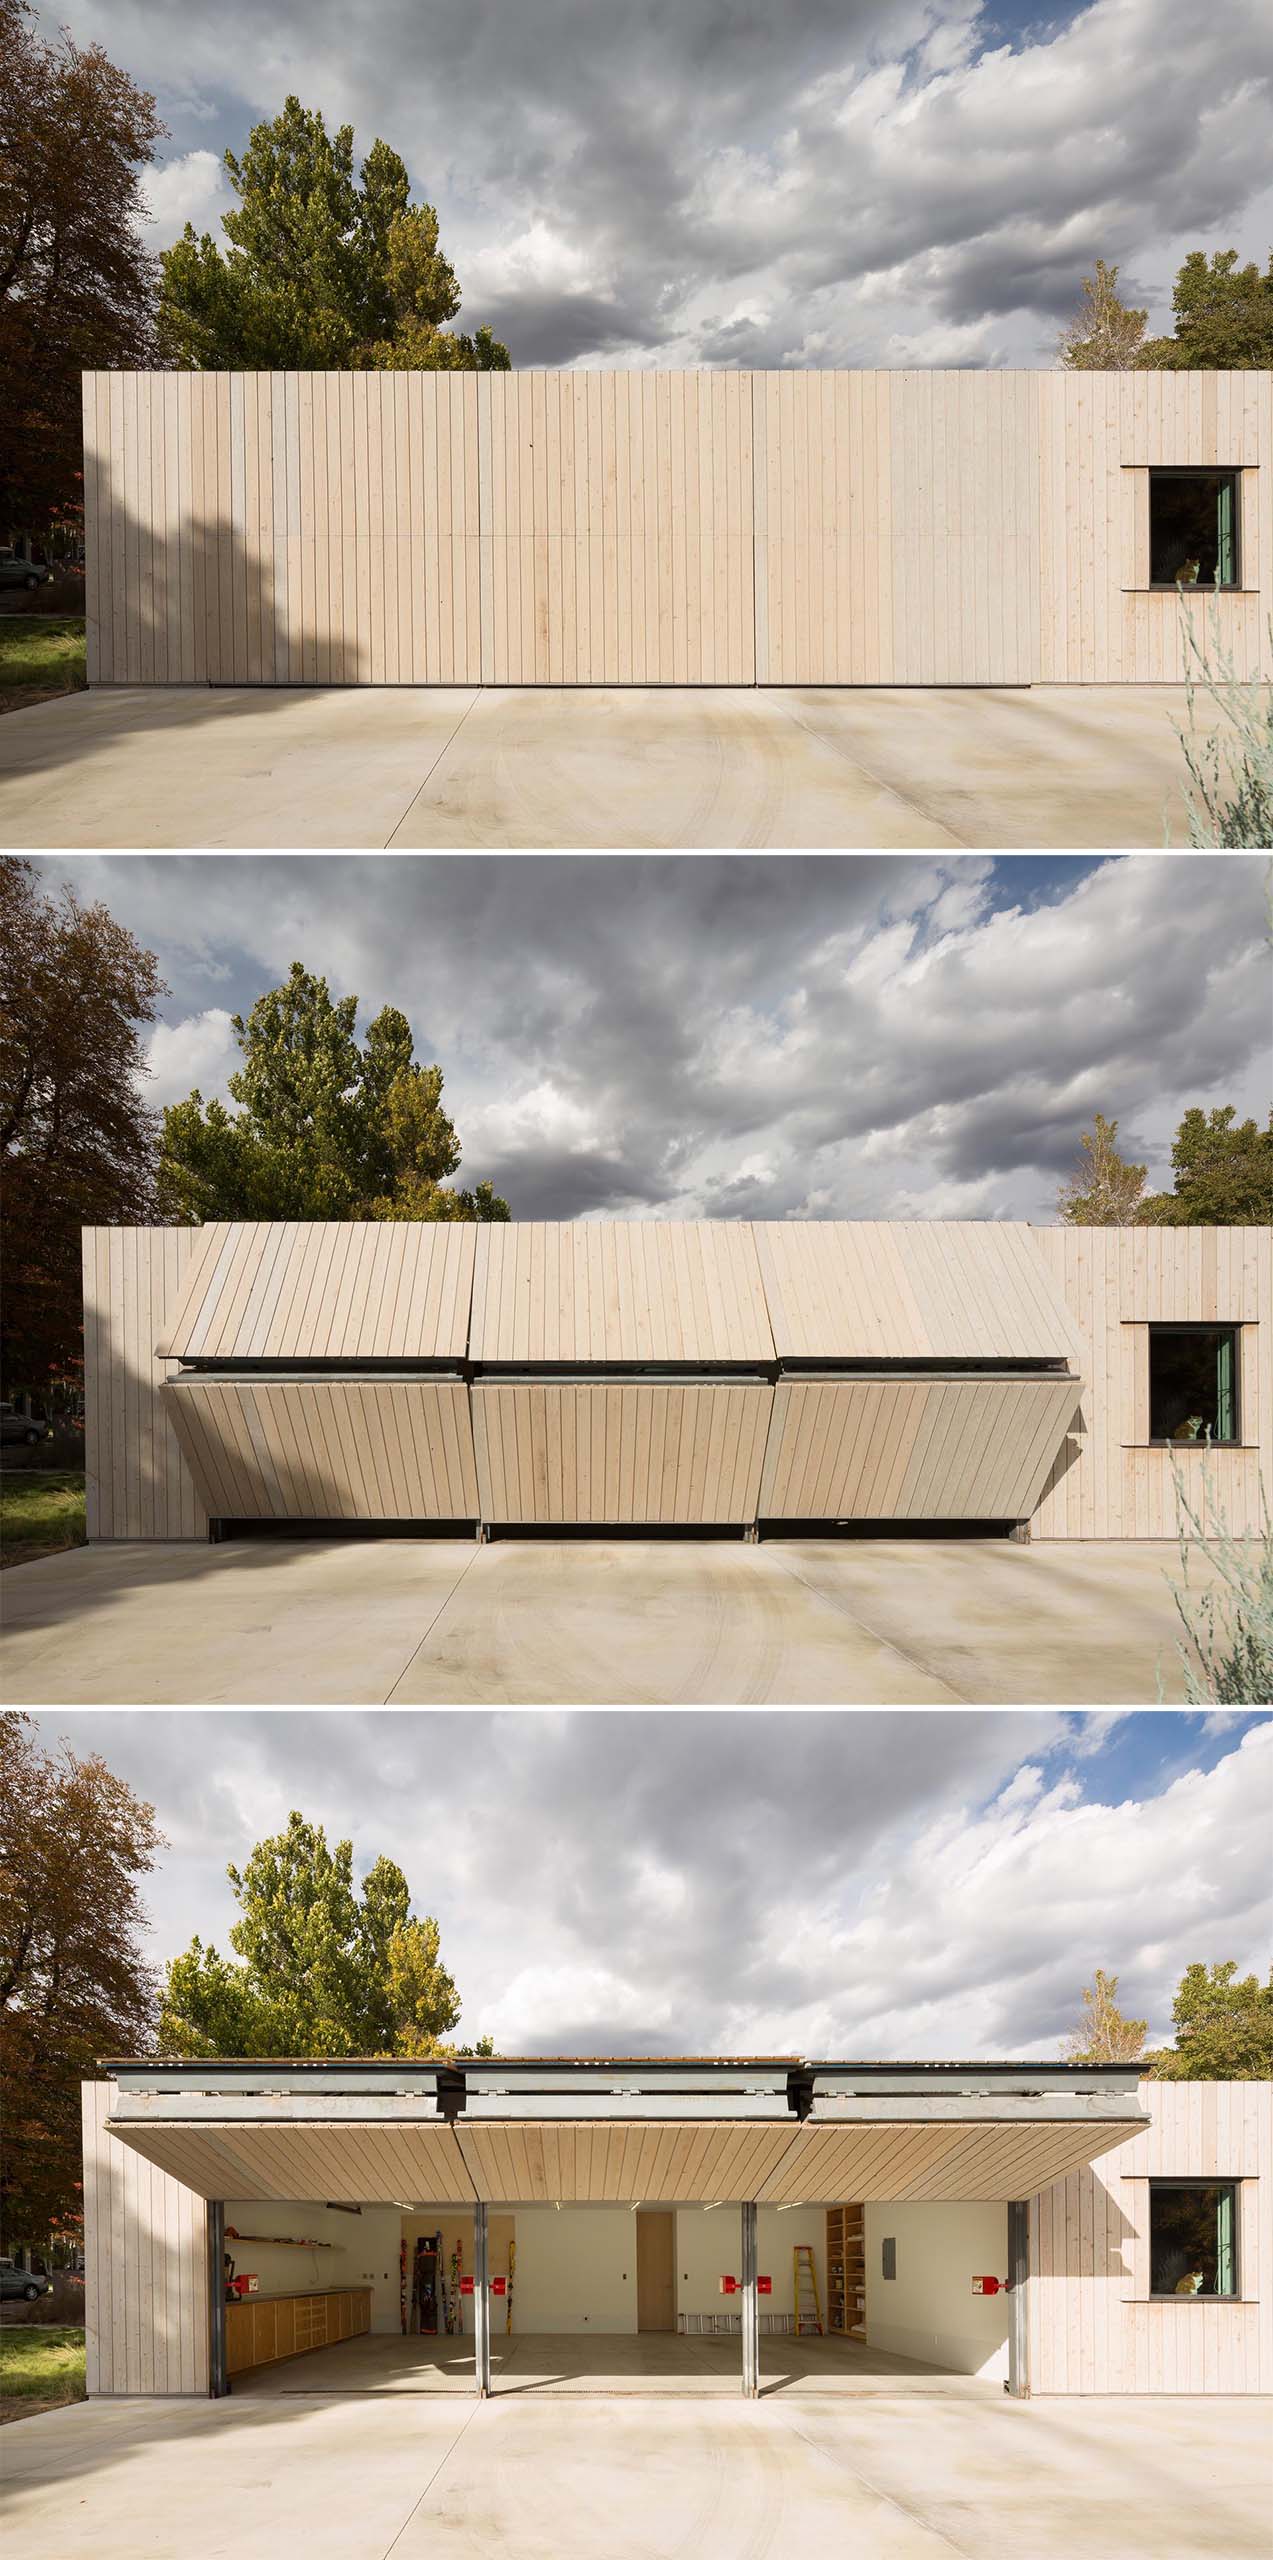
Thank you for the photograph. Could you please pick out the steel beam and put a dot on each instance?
(218, 2379)
(750, 2304)
(1019, 2301)
(481, 2304)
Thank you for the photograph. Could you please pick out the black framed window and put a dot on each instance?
(1193, 1382)
(1193, 529)
(1193, 2237)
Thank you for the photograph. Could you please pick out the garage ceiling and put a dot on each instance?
(622, 2163)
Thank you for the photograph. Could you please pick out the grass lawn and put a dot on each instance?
(39, 2369)
(41, 1511)
(40, 657)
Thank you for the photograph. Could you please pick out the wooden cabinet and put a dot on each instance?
(261, 2331)
(846, 2271)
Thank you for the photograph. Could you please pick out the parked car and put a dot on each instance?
(17, 572)
(21, 2284)
(26, 1427)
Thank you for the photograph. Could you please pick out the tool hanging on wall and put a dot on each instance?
(424, 2286)
(804, 2283)
(512, 2270)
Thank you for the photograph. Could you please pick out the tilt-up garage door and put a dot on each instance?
(320, 1377)
(926, 1373)
(621, 1373)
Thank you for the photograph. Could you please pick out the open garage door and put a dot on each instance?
(747, 2160)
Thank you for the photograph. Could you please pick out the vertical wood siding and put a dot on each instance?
(896, 528)
(1107, 1483)
(619, 1289)
(654, 528)
(1093, 2326)
(688, 1455)
(912, 1448)
(145, 2267)
(327, 1448)
(1098, 435)
(138, 1482)
(616, 528)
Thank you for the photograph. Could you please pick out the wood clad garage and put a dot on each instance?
(529, 2179)
(707, 1375)
(690, 528)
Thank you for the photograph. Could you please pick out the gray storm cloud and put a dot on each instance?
(858, 1884)
(760, 1036)
(835, 181)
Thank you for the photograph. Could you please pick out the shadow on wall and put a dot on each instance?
(194, 613)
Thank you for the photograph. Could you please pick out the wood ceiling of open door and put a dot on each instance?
(913, 1449)
(621, 1290)
(934, 2163)
(363, 1289)
(327, 1448)
(917, 1290)
(344, 2164)
(622, 2163)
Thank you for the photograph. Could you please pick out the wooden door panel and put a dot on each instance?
(656, 2271)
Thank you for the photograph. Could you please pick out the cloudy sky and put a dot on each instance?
(883, 182)
(872, 1886)
(753, 1035)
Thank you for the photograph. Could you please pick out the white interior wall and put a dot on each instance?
(355, 2249)
(709, 2245)
(929, 2310)
(576, 2271)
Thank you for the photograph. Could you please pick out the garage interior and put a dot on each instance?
(634, 2226)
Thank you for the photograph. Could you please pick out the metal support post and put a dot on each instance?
(750, 2306)
(481, 2304)
(218, 2379)
(1019, 2301)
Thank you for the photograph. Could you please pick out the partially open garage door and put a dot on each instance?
(908, 1448)
(618, 1451)
(327, 1447)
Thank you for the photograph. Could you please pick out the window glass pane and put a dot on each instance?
(1192, 528)
(1192, 1383)
(1192, 2240)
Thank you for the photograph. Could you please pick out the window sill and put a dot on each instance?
(1190, 2301)
(1209, 592)
(1195, 1448)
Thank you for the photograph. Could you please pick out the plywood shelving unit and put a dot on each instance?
(846, 2271)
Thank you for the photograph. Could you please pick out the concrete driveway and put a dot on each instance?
(1051, 765)
(250, 2478)
(636, 1622)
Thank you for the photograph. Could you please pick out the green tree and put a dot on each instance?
(323, 269)
(1104, 2034)
(324, 1128)
(74, 1984)
(1104, 1190)
(77, 1143)
(1224, 2027)
(76, 284)
(1104, 335)
(1224, 1174)
(1224, 317)
(323, 1968)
